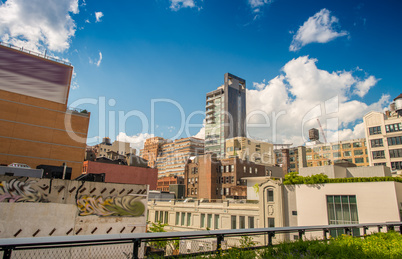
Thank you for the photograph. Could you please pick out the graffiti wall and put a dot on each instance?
(64, 207)
(129, 205)
(18, 191)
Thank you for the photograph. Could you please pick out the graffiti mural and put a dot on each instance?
(129, 205)
(18, 191)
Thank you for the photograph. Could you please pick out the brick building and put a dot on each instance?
(116, 173)
(209, 178)
(166, 181)
(36, 126)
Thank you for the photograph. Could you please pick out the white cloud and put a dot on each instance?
(99, 60)
(318, 28)
(201, 133)
(256, 5)
(98, 16)
(176, 5)
(363, 87)
(38, 24)
(301, 94)
(136, 141)
(96, 62)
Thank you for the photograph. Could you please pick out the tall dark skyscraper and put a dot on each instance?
(225, 114)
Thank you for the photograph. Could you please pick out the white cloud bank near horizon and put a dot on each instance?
(136, 141)
(38, 24)
(319, 28)
(301, 94)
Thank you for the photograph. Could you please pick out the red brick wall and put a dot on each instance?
(124, 174)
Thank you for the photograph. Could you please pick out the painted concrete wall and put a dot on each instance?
(45, 207)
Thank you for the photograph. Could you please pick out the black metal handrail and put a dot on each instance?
(9, 244)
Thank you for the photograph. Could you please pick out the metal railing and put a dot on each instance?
(133, 245)
(35, 53)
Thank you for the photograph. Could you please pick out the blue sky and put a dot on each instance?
(294, 55)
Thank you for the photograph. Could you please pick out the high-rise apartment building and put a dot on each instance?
(259, 152)
(152, 147)
(173, 157)
(384, 136)
(225, 114)
(36, 126)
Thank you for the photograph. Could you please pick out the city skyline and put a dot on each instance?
(339, 56)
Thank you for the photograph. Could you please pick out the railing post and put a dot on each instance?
(365, 231)
(325, 231)
(347, 231)
(219, 239)
(270, 236)
(379, 228)
(390, 228)
(301, 233)
(136, 245)
(7, 252)
(400, 229)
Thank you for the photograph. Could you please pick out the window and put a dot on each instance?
(255, 170)
(342, 209)
(326, 148)
(183, 217)
(209, 221)
(375, 130)
(317, 149)
(156, 216)
(242, 222)
(395, 153)
(233, 222)
(232, 168)
(271, 222)
(393, 127)
(292, 159)
(358, 152)
(394, 141)
(216, 221)
(396, 165)
(359, 160)
(377, 164)
(376, 142)
(270, 195)
(188, 219)
(378, 154)
(202, 221)
(337, 154)
(245, 169)
(166, 217)
(250, 222)
(335, 147)
(326, 155)
(232, 179)
(357, 144)
(177, 218)
(309, 157)
(347, 153)
(195, 191)
(346, 146)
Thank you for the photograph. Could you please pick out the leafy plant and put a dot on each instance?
(157, 227)
(294, 178)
